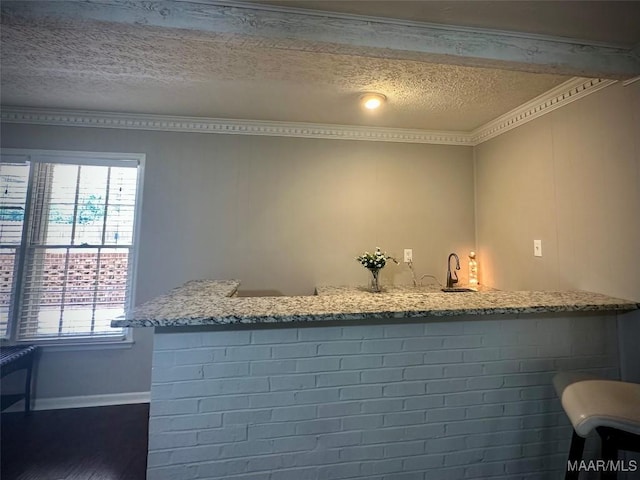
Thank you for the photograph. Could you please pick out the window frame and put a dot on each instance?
(75, 157)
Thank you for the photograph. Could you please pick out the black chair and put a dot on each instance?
(15, 358)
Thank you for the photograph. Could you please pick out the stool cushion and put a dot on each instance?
(602, 403)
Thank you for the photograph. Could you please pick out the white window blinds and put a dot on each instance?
(78, 246)
(14, 178)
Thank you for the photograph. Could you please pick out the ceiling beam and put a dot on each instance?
(290, 29)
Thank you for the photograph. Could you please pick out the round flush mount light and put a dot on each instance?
(371, 101)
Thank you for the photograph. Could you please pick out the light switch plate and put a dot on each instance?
(537, 248)
(408, 255)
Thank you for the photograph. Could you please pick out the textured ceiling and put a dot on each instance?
(116, 67)
(602, 21)
(130, 67)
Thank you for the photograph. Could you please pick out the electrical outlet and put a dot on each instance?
(408, 255)
(537, 248)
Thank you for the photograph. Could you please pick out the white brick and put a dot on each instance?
(177, 374)
(443, 356)
(196, 422)
(292, 444)
(485, 383)
(406, 330)
(244, 417)
(352, 454)
(177, 472)
(221, 403)
(294, 413)
(423, 462)
(253, 352)
(336, 472)
(342, 409)
(447, 386)
(362, 332)
(459, 399)
(402, 359)
(499, 368)
(423, 402)
(484, 470)
(339, 348)
(320, 364)
(271, 430)
(222, 370)
(317, 396)
(221, 469)
(362, 422)
(305, 473)
(404, 389)
(193, 356)
(361, 362)
(172, 407)
(292, 382)
(384, 435)
(369, 469)
(466, 457)
(196, 454)
(423, 432)
(160, 441)
(403, 418)
(441, 445)
(273, 335)
(225, 338)
(272, 367)
(362, 391)
(175, 341)
(310, 427)
(382, 346)
(436, 415)
(222, 435)
(245, 449)
(340, 439)
(382, 405)
(163, 358)
(297, 350)
(426, 372)
(337, 379)
(383, 375)
(467, 370)
(450, 327)
(462, 341)
(346, 414)
(318, 334)
(273, 399)
(484, 411)
(481, 355)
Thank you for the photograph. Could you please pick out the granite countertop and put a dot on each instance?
(209, 302)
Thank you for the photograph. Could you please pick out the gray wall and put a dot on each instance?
(280, 214)
(572, 179)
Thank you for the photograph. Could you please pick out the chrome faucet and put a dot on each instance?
(452, 280)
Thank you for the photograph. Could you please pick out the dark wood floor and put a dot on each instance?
(104, 443)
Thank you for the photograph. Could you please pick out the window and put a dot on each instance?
(67, 243)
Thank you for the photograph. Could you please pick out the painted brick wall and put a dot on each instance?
(467, 399)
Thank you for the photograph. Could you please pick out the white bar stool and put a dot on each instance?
(610, 407)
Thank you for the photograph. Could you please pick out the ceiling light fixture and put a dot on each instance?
(371, 101)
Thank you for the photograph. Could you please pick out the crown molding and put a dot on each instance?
(549, 101)
(555, 98)
(229, 127)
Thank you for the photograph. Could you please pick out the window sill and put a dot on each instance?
(79, 345)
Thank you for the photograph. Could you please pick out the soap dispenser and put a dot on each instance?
(473, 270)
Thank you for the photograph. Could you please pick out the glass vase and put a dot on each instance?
(375, 280)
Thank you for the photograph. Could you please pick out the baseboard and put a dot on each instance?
(83, 401)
